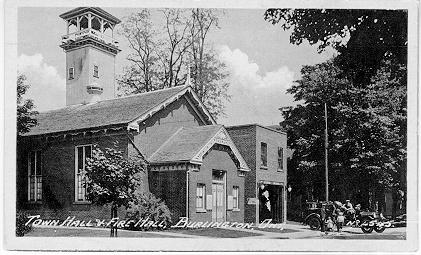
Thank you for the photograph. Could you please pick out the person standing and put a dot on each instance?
(340, 220)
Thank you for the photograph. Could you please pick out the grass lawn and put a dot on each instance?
(214, 232)
(76, 232)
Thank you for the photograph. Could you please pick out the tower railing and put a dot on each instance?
(89, 32)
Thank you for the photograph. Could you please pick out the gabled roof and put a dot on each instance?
(127, 110)
(184, 144)
(190, 144)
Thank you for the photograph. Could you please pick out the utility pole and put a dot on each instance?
(326, 157)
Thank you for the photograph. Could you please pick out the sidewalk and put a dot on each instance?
(288, 231)
(299, 231)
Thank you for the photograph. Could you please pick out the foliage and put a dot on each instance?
(25, 112)
(161, 55)
(21, 219)
(363, 38)
(112, 177)
(147, 206)
(367, 129)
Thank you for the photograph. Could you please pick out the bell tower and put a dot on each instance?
(90, 55)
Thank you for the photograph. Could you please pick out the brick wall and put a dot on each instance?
(216, 160)
(248, 140)
(58, 166)
(274, 140)
(157, 129)
(245, 140)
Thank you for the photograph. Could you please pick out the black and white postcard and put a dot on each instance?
(211, 126)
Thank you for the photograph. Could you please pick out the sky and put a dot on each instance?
(261, 61)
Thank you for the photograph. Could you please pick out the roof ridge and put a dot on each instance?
(165, 143)
(163, 101)
(144, 93)
(204, 126)
(181, 87)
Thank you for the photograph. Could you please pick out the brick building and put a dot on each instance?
(193, 164)
(264, 150)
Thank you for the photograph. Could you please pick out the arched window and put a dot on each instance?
(83, 23)
(96, 24)
(108, 30)
(72, 26)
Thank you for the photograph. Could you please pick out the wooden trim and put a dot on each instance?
(222, 137)
(195, 109)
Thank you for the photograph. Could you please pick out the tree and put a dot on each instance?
(214, 89)
(141, 74)
(366, 127)
(363, 38)
(161, 55)
(208, 73)
(112, 179)
(372, 52)
(25, 112)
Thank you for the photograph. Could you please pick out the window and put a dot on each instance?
(82, 152)
(71, 73)
(96, 72)
(34, 176)
(264, 154)
(200, 196)
(235, 198)
(280, 158)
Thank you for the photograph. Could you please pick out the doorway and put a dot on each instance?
(218, 196)
(271, 202)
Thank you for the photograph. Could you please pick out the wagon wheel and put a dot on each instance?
(314, 223)
(379, 228)
(366, 228)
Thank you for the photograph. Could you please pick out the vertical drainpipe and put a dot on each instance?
(187, 191)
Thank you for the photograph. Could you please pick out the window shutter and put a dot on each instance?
(209, 202)
(230, 203)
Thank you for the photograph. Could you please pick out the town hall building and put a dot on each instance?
(193, 164)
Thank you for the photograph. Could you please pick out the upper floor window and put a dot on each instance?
(263, 154)
(200, 196)
(71, 73)
(96, 72)
(235, 197)
(34, 176)
(82, 153)
(280, 158)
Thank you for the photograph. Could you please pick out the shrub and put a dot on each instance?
(21, 219)
(147, 205)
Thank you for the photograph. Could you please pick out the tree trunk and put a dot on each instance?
(113, 215)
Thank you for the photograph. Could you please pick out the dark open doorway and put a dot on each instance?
(271, 201)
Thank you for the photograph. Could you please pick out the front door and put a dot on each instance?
(218, 202)
(218, 196)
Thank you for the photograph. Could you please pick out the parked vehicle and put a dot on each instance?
(367, 221)
(312, 213)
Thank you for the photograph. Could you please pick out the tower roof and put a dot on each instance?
(96, 10)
